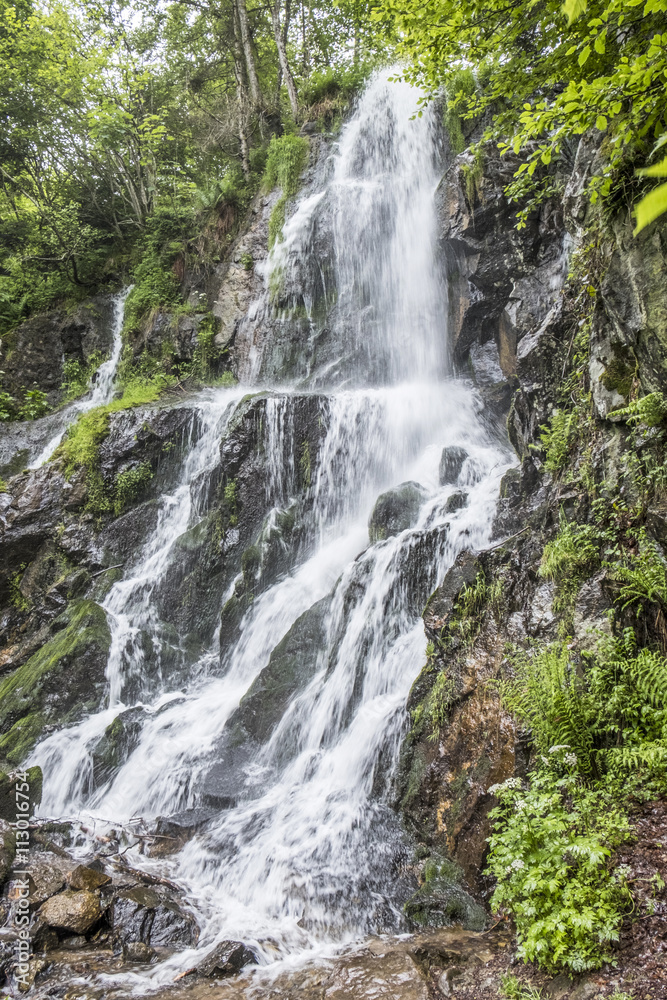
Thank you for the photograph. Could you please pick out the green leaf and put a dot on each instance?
(657, 170)
(573, 9)
(650, 207)
(601, 123)
(584, 54)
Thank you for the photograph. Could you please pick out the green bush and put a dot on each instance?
(549, 853)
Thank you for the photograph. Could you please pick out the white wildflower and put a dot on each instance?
(517, 864)
(559, 746)
(570, 759)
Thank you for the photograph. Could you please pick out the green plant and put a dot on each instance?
(650, 411)
(285, 161)
(8, 406)
(247, 261)
(35, 404)
(558, 437)
(77, 374)
(550, 853)
(129, 485)
(571, 553)
(512, 989)
(466, 618)
(645, 578)
(473, 174)
(16, 597)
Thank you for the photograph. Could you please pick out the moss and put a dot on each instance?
(56, 681)
(16, 595)
(619, 373)
(250, 562)
(21, 738)
(286, 160)
(277, 221)
(473, 174)
(130, 485)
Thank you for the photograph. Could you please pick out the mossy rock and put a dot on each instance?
(120, 738)
(8, 809)
(59, 683)
(395, 510)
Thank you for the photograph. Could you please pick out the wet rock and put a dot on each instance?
(7, 849)
(292, 664)
(74, 943)
(42, 343)
(119, 740)
(455, 502)
(451, 463)
(87, 878)
(443, 901)
(8, 783)
(47, 874)
(59, 683)
(442, 600)
(152, 916)
(72, 911)
(226, 959)
(139, 952)
(395, 510)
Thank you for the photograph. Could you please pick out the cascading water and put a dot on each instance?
(51, 429)
(298, 855)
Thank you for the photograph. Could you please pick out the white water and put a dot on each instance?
(102, 391)
(304, 860)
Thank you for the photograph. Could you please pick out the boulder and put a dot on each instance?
(72, 911)
(48, 874)
(87, 878)
(226, 959)
(395, 510)
(152, 916)
(118, 741)
(455, 502)
(451, 463)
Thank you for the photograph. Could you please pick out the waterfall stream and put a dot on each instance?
(302, 854)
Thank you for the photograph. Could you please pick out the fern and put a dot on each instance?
(650, 410)
(549, 698)
(571, 552)
(646, 578)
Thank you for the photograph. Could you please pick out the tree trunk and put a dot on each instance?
(253, 81)
(241, 101)
(282, 56)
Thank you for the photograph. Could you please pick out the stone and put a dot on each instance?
(456, 502)
(441, 601)
(74, 943)
(118, 741)
(153, 916)
(395, 511)
(226, 959)
(451, 463)
(71, 911)
(7, 850)
(139, 952)
(47, 873)
(87, 878)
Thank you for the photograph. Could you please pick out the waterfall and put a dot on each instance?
(301, 848)
(56, 424)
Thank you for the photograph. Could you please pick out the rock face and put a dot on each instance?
(395, 510)
(38, 347)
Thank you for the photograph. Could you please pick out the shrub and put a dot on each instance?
(550, 853)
